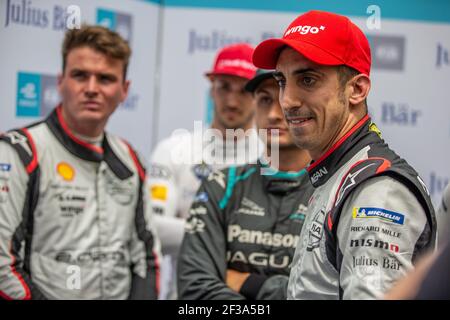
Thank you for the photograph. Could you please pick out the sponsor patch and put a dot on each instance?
(201, 197)
(194, 224)
(5, 167)
(159, 192)
(251, 208)
(380, 213)
(66, 171)
(159, 171)
(316, 230)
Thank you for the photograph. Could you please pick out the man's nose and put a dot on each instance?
(233, 99)
(289, 98)
(92, 86)
(275, 114)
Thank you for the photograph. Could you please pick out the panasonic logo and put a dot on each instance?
(235, 232)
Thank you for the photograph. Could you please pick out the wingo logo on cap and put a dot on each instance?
(226, 63)
(304, 30)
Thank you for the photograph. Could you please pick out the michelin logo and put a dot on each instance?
(383, 214)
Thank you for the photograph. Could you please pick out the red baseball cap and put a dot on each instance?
(322, 37)
(234, 60)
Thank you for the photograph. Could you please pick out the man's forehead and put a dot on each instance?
(85, 56)
(229, 79)
(267, 84)
(290, 59)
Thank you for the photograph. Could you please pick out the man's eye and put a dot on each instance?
(79, 75)
(308, 81)
(105, 79)
(264, 101)
(223, 87)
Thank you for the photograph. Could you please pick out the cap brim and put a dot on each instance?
(266, 53)
(256, 81)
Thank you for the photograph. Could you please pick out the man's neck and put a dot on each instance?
(83, 130)
(348, 125)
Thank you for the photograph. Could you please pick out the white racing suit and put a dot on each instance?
(74, 217)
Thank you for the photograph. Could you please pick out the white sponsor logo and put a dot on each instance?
(319, 174)
(73, 281)
(235, 232)
(219, 177)
(194, 225)
(251, 208)
(198, 210)
(316, 230)
(235, 63)
(304, 30)
(259, 259)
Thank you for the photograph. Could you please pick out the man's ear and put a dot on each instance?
(126, 87)
(360, 87)
(59, 80)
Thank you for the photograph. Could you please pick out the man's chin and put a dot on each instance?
(91, 117)
(233, 124)
(282, 145)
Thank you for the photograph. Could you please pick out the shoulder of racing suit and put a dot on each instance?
(389, 164)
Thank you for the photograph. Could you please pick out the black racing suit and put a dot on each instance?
(245, 221)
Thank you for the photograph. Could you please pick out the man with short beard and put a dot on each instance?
(180, 162)
(370, 216)
(244, 224)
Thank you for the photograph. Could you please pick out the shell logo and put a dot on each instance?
(66, 171)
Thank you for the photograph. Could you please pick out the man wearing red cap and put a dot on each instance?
(370, 216)
(175, 176)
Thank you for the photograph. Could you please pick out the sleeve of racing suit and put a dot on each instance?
(443, 218)
(202, 263)
(15, 282)
(380, 234)
(273, 288)
(145, 247)
(164, 194)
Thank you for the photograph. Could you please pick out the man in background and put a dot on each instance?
(181, 162)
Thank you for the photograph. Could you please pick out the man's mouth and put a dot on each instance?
(299, 121)
(91, 104)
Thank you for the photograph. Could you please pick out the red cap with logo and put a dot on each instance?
(234, 60)
(323, 37)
